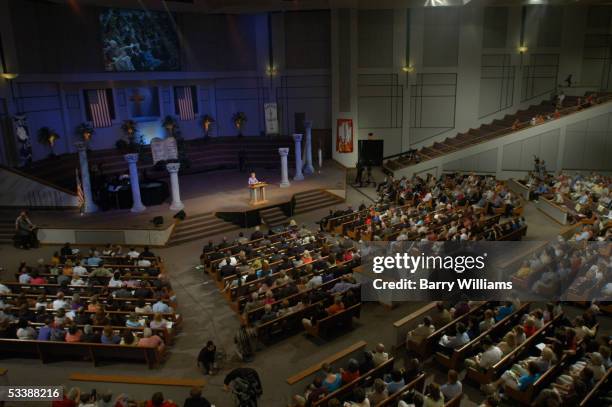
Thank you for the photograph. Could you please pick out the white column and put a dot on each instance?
(308, 168)
(173, 169)
(132, 159)
(284, 152)
(90, 206)
(298, 157)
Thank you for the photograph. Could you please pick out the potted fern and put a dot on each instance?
(47, 137)
(206, 122)
(239, 119)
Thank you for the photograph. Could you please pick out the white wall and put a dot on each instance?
(467, 68)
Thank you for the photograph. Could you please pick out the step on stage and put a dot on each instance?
(224, 192)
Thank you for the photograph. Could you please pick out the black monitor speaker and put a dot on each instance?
(371, 152)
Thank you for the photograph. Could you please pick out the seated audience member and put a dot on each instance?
(89, 335)
(332, 382)
(421, 332)
(24, 331)
(351, 372)
(452, 387)
(378, 393)
(395, 381)
(459, 339)
(379, 356)
(359, 399)
(109, 337)
(157, 400)
(128, 339)
(491, 355)
(74, 334)
(150, 340)
(195, 399)
(336, 307)
(441, 315)
(433, 397)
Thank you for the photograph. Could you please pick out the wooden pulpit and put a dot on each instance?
(258, 193)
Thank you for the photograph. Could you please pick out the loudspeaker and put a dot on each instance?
(180, 215)
(158, 220)
(371, 152)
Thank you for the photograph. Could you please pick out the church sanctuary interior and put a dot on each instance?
(306, 203)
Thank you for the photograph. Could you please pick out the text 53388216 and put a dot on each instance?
(31, 393)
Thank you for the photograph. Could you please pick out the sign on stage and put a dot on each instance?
(258, 193)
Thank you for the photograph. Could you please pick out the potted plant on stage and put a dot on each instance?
(239, 119)
(85, 131)
(132, 143)
(47, 137)
(169, 123)
(206, 122)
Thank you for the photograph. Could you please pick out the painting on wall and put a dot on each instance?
(344, 138)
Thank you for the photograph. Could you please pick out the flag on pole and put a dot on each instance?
(99, 109)
(79, 191)
(184, 100)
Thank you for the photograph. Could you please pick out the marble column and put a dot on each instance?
(308, 167)
(298, 157)
(173, 169)
(89, 205)
(284, 152)
(132, 159)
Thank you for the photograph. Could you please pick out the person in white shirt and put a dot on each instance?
(78, 281)
(232, 262)
(144, 263)
(460, 339)
(379, 356)
(25, 278)
(115, 281)
(60, 303)
(80, 270)
(452, 387)
(491, 355)
(133, 254)
(4, 289)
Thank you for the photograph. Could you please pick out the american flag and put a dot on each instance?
(185, 103)
(79, 190)
(99, 109)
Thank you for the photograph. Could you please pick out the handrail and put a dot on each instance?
(36, 179)
(522, 125)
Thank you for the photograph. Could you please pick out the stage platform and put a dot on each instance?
(220, 191)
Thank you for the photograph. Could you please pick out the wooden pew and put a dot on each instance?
(497, 369)
(324, 327)
(455, 401)
(409, 322)
(345, 391)
(425, 348)
(459, 355)
(335, 358)
(48, 351)
(590, 399)
(417, 384)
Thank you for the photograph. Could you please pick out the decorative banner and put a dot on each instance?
(271, 114)
(164, 150)
(20, 124)
(344, 136)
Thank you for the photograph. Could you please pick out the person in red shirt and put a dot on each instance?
(69, 399)
(529, 327)
(37, 279)
(336, 307)
(157, 400)
(351, 373)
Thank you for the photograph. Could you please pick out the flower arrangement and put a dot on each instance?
(206, 122)
(239, 119)
(129, 128)
(85, 131)
(47, 136)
